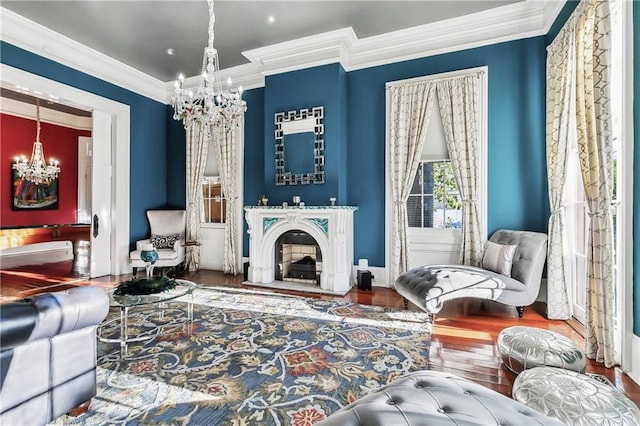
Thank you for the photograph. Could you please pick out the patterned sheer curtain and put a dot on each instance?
(593, 118)
(410, 110)
(198, 135)
(226, 143)
(457, 98)
(560, 82)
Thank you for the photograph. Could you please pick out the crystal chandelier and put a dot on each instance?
(210, 104)
(36, 170)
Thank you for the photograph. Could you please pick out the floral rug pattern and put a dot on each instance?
(251, 358)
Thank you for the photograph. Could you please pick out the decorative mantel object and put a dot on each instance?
(330, 226)
(149, 256)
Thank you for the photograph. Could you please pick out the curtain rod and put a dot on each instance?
(479, 72)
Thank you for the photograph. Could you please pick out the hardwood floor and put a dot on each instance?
(464, 333)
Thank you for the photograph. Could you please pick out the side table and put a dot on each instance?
(126, 302)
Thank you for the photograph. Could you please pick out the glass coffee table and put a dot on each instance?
(127, 302)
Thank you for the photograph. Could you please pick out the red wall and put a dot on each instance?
(17, 136)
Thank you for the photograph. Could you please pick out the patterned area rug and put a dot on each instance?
(252, 358)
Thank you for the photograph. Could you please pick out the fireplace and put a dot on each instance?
(282, 236)
(298, 258)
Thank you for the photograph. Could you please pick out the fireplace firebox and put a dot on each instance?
(298, 258)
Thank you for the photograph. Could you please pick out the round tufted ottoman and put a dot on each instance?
(527, 347)
(436, 398)
(574, 398)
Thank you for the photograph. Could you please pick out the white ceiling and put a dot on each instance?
(138, 33)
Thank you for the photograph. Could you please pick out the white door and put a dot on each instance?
(85, 177)
(101, 201)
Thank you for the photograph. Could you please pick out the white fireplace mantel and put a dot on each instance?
(330, 226)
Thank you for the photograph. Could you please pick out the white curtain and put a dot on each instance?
(226, 143)
(198, 135)
(593, 118)
(586, 37)
(457, 98)
(410, 110)
(560, 83)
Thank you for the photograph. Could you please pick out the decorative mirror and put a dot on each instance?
(300, 146)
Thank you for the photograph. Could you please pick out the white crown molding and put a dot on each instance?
(306, 52)
(35, 38)
(59, 118)
(519, 20)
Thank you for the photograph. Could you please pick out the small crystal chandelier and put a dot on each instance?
(36, 170)
(210, 104)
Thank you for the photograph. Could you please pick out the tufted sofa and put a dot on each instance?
(48, 354)
(435, 398)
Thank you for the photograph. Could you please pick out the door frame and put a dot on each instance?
(15, 79)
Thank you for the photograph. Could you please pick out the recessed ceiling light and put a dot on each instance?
(271, 19)
(171, 51)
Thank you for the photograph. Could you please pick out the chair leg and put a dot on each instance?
(520, 311)
(406, 303)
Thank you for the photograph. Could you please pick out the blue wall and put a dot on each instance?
(254, 148)
(355, 136)
(517, 188)
(176, 162)
(320, 86)
(148, 131)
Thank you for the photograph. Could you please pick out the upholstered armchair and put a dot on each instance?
(167, 236)
(510, 273)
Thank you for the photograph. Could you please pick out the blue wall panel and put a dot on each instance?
(148, 134)
(254, 148)
(516, 151)
(308, 88)
(176, 162)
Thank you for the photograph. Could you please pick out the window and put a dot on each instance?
(434, 201)
(213, 202)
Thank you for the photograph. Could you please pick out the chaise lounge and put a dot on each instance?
(511, 273)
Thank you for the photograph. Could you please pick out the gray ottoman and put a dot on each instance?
(527, 347)
(574, 398)
(435, 398)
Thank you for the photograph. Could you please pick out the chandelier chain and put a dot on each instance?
(37, 119)
(210, 104)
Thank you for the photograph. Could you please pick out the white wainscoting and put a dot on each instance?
(211, 250)
(433, 246)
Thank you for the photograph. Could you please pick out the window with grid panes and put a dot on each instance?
(213, 202)
(434, 201)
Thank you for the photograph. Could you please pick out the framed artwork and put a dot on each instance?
(28, 195)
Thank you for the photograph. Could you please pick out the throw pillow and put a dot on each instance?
(164, 241)
(498, 257)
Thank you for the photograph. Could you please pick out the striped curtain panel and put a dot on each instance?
(198, 135)
(457, 98)
(593, 116)
(411, 105)
(226, 142)
(560, 95)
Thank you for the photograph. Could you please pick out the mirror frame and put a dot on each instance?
(284, 177)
